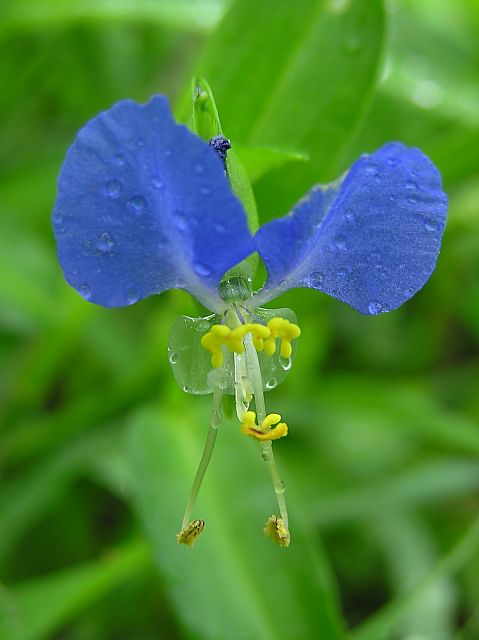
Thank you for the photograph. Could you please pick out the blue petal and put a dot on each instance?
(143, 206)
(371, 239)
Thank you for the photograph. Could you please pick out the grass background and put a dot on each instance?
(98, 445)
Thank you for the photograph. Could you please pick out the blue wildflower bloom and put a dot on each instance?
(144, 205)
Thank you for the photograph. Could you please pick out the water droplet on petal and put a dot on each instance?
(349, 216)
(431, 225)
(132, 296)
(113, 187)
(285, 363)
(85, 291)
(412, 199)
(105, 242)
(180, 220)
(205, 191)
(340, 243)
(272, 382)
(202, 269)
(370, 168)
(173, 358)
(375, 307)
(120, 159)
(410, 184)
(392, 162)
(157, 183)
(199, 168)
(137, 203)
(409, 292)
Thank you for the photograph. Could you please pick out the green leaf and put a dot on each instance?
(297, 76)
(234, 578)
(200, 15)
(39, 607)
(258, 161)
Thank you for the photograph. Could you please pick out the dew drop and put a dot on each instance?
(205, 191)
(180, 220)
(285, 363)
(370, 168)
(202, 269)
(113, 188)
(157, 183)
(272, 382)
(279, 487)
(120, 159)
(132, 296)
(392, 162)
(375, 307)
(173, 358)
(349, 216)
(410, 184)
(186, 389)
(431, 226)
(199, 168)
(85, 291)
(264, 457)
(408, 292)
(412, 199)
(105, 242)
(340, 243)
(137, 203)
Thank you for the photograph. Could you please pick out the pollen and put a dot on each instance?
(276, 530)
(190, 534)
(270, 429)
(286, 331)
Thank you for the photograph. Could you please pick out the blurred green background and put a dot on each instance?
(98, 446)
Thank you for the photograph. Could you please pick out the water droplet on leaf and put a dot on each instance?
(272, 382)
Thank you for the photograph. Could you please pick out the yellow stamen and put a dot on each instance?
(276, 530)
(264, 338)
(286, 331)
(190, 534)
(270, 429)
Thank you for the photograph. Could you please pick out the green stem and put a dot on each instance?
(215, 422)
(267, 448)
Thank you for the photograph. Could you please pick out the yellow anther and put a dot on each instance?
(190, 534)
(221, 335)
(286, 331)
(270, 429)
(276, 530)
(270, 346)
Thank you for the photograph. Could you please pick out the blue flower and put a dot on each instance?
(144, 205)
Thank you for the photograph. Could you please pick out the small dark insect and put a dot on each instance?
(221, 145)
